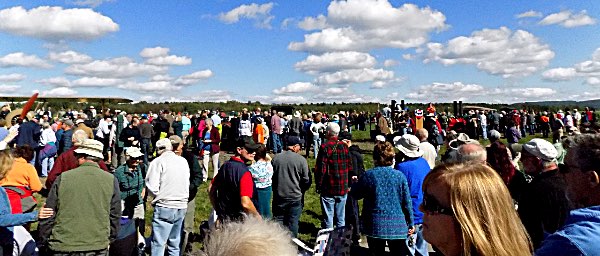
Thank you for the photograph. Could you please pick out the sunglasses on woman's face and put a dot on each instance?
(432, 206)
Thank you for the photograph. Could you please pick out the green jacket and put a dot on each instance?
(131, 183)
(118, 130)
(87, 210)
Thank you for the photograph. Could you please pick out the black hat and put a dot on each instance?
(345, 136)
(294, 140)
(248, 143)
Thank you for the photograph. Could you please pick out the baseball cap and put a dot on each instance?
(294, 140)
(174, 139)
(247, 143)
(164, 144)
(134, 152)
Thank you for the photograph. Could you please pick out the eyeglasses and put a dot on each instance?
(431, 205)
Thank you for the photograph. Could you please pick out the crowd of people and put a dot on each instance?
(100, 173)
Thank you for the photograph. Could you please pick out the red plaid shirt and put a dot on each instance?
(333, 165)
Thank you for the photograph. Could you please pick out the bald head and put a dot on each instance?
(422, 134)
(472, 153)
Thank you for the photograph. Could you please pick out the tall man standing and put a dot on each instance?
(168, 181)
(291, 179)
(87, 203)
(331, 177)
(276, 131)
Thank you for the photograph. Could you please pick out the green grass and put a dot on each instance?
(310, 222)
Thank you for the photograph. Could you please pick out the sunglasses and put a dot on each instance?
(431, 205)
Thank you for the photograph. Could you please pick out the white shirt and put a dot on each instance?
(483, 120)
(216, 119)
(102, 128)
(47, 136)
(245, 128)
(168, 179)
(315, 127)
(429, 153)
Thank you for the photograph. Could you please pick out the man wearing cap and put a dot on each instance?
(544, 206)
(68, 160)
(87, 205)
(291, 179)
(168, 180)
(581, 232)
(331, 177)
(132, 186)
(65, 143)
(232, 190)
(415, 168)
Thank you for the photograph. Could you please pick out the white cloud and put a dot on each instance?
(529, 14)
(496, 51)
(59, 92)
(159, 56)
(56, 23)
(150, 87)
(568, 19)
(203, 96)
(261, 14)
(355, 76)
(19, 59)
(11, 78)
(55, 81)
(346, 97)
(408, 56)
(446, 92)
(286, 23)
(194, 77)
(312, 23)
(390, 63)
(161, 78)
(95, 82)
(9, 89)
(91, 3)
(589, 69)
(335, 61)
(297, 87)
(154, 52)
(122, 67)
(289, 99)
(69, 57)
(362, 25)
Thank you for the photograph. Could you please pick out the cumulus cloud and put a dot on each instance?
(59, 92)
(91, 3)
(194, 77)
(589, 69)
(261, 14)
(529, 14)
(159, 56)
(9, 89)
(11, 78)
(154, 52)
(289, 99)
(362, 25)
(56, 23)
(161, 78)
(346, 97)
(297, 87)
(55, 81)
(95, 82)
(150, 86)
(355, 76)
(313, 23)
(69, 57)
(496, 51)
(445, 92)
(390, 63)
(122, 67)
(335, 61)
(19, 59)
(568, 19)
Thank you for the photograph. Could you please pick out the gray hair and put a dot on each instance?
(471, 152)
(208, 121)
(333, 129)
(250, 237)
(422, 134)
(78, 137)
(586, 149)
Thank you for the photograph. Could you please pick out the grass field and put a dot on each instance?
(310, 219)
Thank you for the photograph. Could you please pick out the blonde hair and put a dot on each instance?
(250, 237)
(484, 210)
(6, 163)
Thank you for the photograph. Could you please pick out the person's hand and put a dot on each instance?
(411, 230)
(131, 138)
(45, 213)
(355, 178)
(135, 142)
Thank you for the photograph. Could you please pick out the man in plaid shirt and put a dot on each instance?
(331, 176)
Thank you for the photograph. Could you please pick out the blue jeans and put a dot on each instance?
(333, 206)
(166, 229)
(264, 202)
(146, 149)
(288, 214)
(420, 246)
(484, 132)
(316, 145)
(277, 147)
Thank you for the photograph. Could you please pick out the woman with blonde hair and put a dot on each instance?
(469, 211)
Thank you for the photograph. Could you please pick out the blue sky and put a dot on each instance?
(302, 51)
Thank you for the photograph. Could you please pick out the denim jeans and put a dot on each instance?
(484, 132)
(146, 149)
(419, 245)
(277, 146)
(263, 205)
(333, 206)
(316, 145)
(288, 214)
(166, 230)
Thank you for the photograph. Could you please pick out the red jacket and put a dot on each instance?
(66, 161)
(215, 139)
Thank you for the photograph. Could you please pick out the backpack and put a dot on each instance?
(21, 199)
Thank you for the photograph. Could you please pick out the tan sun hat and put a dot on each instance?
(91, 147)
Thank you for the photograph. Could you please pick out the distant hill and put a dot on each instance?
(561, 104)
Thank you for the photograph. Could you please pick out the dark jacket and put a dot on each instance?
(65, 162)
(29, 134)
(195, 173)
(128, 132)
(226, 186)
(66, 141)
(215, 139)
(358, 166)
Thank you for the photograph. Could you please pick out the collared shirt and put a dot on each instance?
(579, 235)
(333, 165)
